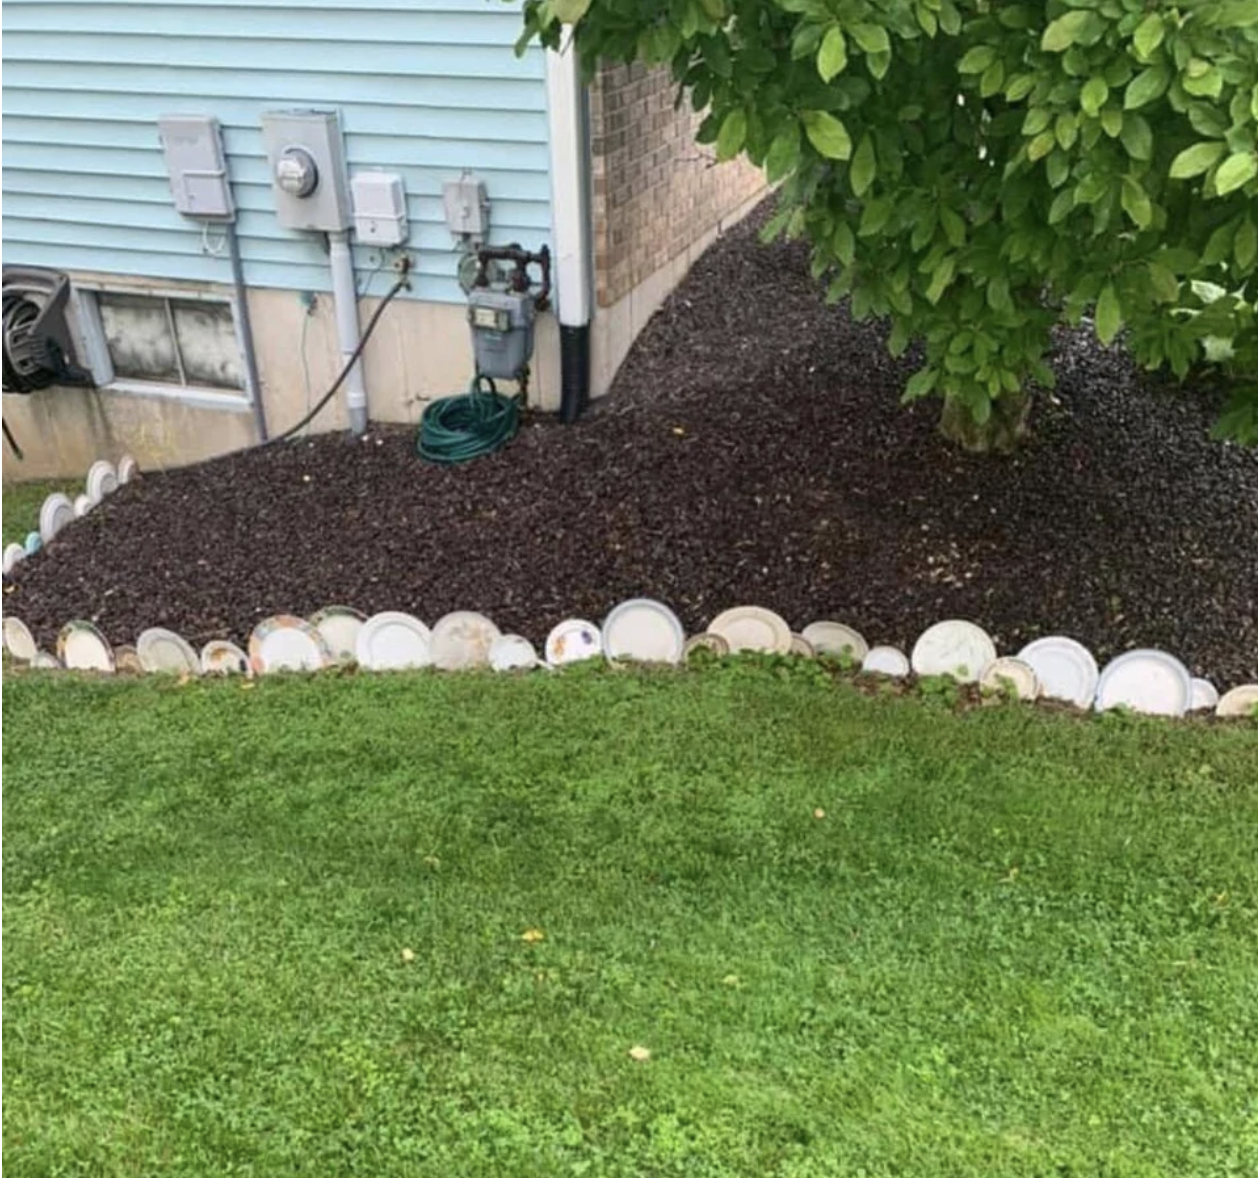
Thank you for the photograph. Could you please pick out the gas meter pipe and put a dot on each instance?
(345, 296)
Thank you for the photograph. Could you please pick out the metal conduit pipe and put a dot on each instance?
(246, 331)
(345, 298)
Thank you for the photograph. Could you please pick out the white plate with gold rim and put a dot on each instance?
(221, 657)
(802, 647)
(340, 626)
(713, 644)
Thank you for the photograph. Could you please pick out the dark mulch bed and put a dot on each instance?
(753, 451)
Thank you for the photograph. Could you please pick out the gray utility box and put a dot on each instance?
(502, 331)
(193, 149)
(306, 155)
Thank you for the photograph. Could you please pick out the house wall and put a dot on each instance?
(426, 88)
(659, 199)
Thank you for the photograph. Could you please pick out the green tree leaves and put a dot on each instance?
(827, 134)
(1103, 154)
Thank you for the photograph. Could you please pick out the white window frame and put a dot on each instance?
(96, 348)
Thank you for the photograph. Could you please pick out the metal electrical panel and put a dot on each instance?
(379, 208)
(307, 158)
(467, 207)
(193, 147)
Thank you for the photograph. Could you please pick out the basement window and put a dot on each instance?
(164, 344)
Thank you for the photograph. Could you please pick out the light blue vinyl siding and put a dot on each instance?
(426, 88)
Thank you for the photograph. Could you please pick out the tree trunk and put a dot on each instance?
(999, 434)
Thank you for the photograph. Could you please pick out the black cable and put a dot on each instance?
(401, 284)
(8, 437)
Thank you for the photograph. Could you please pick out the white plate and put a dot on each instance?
(57, 511)
(1240, 701)
(645, 631)
(461, 640)
(43, 661)
(713, 643)
(340, 626)
(287, 643)
(102, 480)
(13, 553)
(166, 652)
(82, 647)
(512, 652)
(835, 638)
(18, 639)
(127, 660)
(573, 640)
(82, 504)
(34, 542)
(1001, 674)
(886, 660)
(220, 657)
(1150, 681)
(1205, 696)
(1065, 668)
(956, 648)
(748, 627)
(802, 647)
(394, 641)
(126, 468)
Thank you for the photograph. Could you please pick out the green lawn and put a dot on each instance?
(1015, 944)
(22, 502)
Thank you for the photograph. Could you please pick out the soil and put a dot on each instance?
(752, 451)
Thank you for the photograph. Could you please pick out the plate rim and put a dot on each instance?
(57, 499)
(774, 620)
(284, 622)
(1146, 652)
(651, 605)
(972, 673)
(165, 634)
(95, 473)
(82, 625)
(377, 621)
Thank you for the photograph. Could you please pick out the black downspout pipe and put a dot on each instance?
(574, 369)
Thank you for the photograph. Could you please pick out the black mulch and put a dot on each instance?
(753, 451)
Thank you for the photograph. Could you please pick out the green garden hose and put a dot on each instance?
(458, 429)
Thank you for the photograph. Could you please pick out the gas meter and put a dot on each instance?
(502, 315)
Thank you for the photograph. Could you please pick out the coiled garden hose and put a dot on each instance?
(478, 422)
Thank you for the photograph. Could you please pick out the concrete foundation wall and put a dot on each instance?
(419, 351)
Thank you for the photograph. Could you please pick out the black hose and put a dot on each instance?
(401, 284)
(8, 437)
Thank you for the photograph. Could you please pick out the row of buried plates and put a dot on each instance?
(58, 510)
(642, 630)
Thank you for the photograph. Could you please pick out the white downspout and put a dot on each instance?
(345, 298)
(570, 216)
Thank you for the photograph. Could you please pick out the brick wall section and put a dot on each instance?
(655, 191)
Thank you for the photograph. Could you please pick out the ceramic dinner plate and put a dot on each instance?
(572, 641)
(166, 652)
(1065, 668)
(82, 504)
(802, 647)
(34, 542)
(886, 660)
(18, 639)
(1205, 696)
(13, 554)
(127, 661)
(220, 657)
(714, 644)
(102, 480)
(43, 661)
(957, 648)
(82, 647)
(1003, 674)
(748, 627)
(836, 638)
(644, 631)
(1150, 681)
(57, 511)
(461, 640)
(1240, 701)
(394, 641)
(287, 643)
(512, 652)
(126, 468)
(340, 626)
